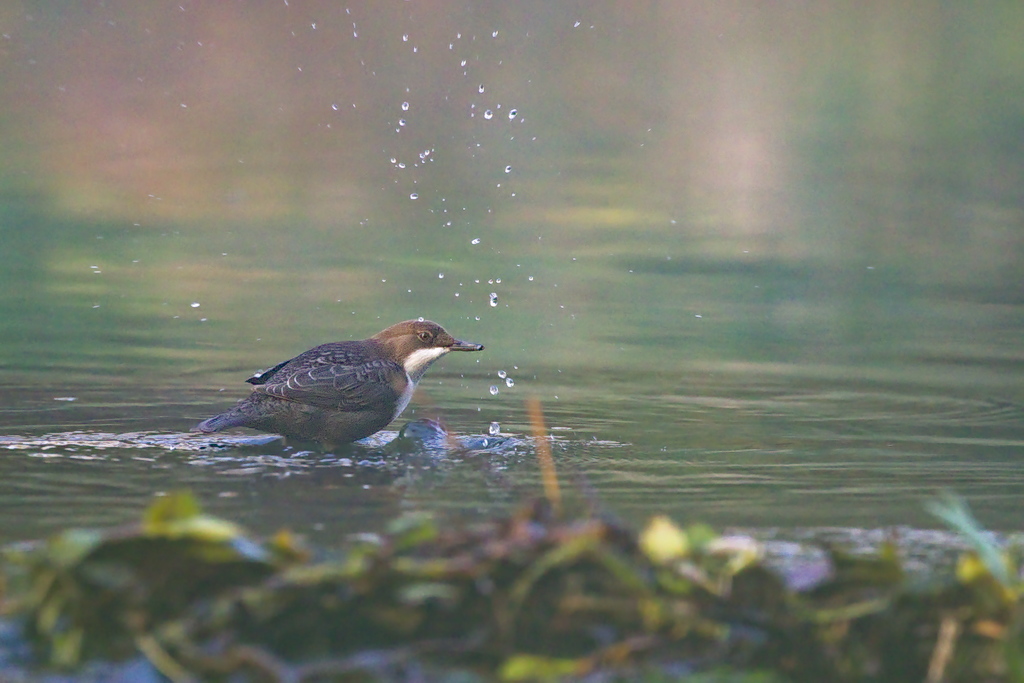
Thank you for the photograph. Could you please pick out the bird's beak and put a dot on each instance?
(465, 346)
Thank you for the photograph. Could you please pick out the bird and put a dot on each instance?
(344, 391)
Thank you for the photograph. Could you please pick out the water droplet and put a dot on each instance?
(401, 164)
(502, 374)
(488, 114)
(509, 382)
(530, 278)
(576, 25)
(475, 240)
(195, 304)
(414, 195)
(401, 122)
(493, 299)
(481, 88)
(405, 38)
(493, 430)
(494, 34)
(512, 113)
(394, 160)
(440, 276)
(334, 107)
(493, 390)
(508, 169)
(405, 106)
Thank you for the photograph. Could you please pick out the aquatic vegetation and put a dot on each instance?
(528, 597)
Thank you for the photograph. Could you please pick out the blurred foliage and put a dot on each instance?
(528, 597)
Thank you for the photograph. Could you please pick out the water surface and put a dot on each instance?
(762, 268)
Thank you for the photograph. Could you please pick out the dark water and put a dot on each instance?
(762, 268)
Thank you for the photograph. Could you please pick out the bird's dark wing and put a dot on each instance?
(336, 353)
(338, 387)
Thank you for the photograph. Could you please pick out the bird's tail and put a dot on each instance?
(232, 418)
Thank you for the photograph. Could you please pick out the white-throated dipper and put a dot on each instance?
(343, 391)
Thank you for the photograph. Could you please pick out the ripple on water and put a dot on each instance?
(249, 454)
(69, 442)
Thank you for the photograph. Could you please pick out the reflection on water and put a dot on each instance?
(760, 265)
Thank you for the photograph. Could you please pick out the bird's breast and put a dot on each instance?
(404, 397)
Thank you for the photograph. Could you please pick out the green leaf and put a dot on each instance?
(532, 668)
(411, 530)
(172, 508)
(68, 548)
(419, 593)
(953, 510)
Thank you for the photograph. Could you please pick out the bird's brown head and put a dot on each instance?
(418, 343)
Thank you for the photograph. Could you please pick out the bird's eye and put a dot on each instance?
(425, 337)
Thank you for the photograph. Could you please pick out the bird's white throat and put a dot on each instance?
(417, 362)
(415, 365)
